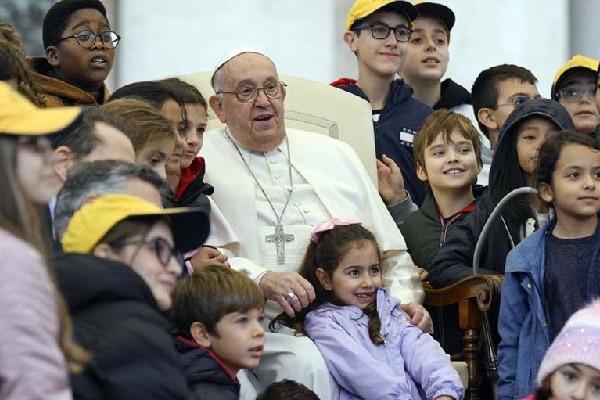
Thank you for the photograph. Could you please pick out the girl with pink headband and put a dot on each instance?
(370, 348)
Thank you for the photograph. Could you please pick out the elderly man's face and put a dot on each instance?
(259, 124)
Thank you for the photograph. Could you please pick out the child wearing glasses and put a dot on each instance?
(218, 317)
(121, 261)
(377, 32)
(574, 86)
(80, 50)
(495, 94)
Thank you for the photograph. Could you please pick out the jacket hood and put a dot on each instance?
(85, 279)
(57, 92)
(452, 95)
(545, 108)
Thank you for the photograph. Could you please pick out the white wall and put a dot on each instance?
(165, 38)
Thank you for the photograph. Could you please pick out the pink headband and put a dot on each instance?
(328, 225)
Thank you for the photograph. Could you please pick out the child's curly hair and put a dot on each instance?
(14, 65)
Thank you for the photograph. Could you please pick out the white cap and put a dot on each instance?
(232, 54)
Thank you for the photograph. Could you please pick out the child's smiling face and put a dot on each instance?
(357, 277)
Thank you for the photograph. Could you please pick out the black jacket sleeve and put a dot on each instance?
(454, 260)
(138, 365)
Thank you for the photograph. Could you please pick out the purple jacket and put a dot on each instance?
(394, 370)
(32, 365)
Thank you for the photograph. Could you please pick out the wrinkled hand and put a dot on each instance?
(418, 316)
(208, 256)
(390, 181)
(423, 274)
(277, 285)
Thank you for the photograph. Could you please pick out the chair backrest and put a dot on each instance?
(317, 107)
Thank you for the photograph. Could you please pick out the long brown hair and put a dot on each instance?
(20, 217)
(327, 254)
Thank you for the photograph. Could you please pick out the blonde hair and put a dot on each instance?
(141, 122)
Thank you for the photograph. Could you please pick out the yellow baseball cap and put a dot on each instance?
(190, 226)
(363, 8)
(18, 116)
(577, 62)
(436, 10)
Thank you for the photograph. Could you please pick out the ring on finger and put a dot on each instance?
(290, 297)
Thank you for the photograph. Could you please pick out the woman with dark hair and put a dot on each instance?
(127, 251)
(36, 349)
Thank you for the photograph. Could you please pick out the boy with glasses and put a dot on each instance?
(496, 92)
(574, 86)
(377, 33)
(80, 50)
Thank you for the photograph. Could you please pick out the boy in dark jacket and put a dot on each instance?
(218, 314)
(80, 50)
(447, 149)
(525, 129)
(377, 32)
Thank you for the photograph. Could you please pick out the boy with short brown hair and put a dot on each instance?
(218, 315)
(448, 155)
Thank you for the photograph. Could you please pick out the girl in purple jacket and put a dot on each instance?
(370, 348)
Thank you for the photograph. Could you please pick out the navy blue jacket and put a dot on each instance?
(398, 122)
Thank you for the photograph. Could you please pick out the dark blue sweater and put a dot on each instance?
(398, 122)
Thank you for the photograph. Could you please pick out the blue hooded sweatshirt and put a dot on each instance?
(398, 122)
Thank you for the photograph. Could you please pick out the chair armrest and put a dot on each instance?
(476, 288)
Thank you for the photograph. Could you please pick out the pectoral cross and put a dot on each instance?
(280, 238)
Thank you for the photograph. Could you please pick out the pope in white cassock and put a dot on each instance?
(274, 185)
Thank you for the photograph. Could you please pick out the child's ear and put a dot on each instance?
(217, 105)
(350, 39)
(486, 117)
(62, 162)
(545, 191)
(52, 55)
(324, 278)
(422, 173)
(103, 250)
(200, 334)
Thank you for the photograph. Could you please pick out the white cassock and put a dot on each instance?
(329, 180)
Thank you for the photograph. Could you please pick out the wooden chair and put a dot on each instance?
(473, 295)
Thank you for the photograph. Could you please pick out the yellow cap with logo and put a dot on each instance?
(363, 8)
(89, 224)
(577, 62)
(18, 116)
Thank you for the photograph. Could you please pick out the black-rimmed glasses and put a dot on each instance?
(382, 31)
(87, 39)
(246, 94)
(162, 249)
